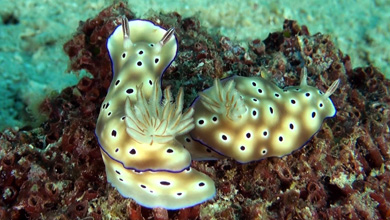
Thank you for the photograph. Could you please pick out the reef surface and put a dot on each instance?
(55, 171)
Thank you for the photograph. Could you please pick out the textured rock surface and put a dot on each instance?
(56, 170)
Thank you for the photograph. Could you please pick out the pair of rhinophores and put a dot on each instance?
(147, 142)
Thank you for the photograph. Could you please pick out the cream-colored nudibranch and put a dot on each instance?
(138, 125)
(250, 118)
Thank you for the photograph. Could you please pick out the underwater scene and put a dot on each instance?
(194, 109)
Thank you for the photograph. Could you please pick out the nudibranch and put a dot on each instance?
(138, 123)
(250, 118)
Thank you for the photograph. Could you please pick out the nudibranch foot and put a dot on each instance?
(164, 189)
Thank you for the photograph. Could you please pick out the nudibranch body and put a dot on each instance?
(250, 118)
(133, 60)
(137, 126)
